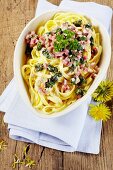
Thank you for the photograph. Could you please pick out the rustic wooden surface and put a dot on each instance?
(14, 15)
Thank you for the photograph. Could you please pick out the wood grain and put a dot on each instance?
(14, 15)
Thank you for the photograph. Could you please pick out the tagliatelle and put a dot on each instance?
(62, 61)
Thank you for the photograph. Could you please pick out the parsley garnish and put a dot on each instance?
(80, 91)
(82, 80)
(73, 44)
(83, 38)
(78, 23)
(68, 33)
(59, 30)
(52, 68)
(82, 60)
(51, 81)
(39, 46)
(72, 67)
(88, 26)
(39, 67)
(91, 41)
(46, 53)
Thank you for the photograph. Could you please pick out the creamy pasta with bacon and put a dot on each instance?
(62, 61)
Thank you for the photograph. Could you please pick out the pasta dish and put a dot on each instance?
(61, 61)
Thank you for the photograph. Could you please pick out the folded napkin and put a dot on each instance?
(75, 131)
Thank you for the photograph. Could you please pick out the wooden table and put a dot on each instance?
(14, 15)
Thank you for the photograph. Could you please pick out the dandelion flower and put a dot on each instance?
(104, 92)
(99, 112)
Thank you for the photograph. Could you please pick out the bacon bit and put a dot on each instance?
(85, 32)
(78, 73)
(45, 65)
(86, 69)
(41, 90)
(93, 75)
(60, 54)
(31, 38)
(88, 41)
(72, 27)
(94, 51)
(96, 69)
(79, 56)
(50, 48)
(66, 61)
(52, 37)
(33, 42)
(65, 86)
(92, 64)
(42, 40)
(79, 32)
(79, 96)
(90, 70)
(85, 57)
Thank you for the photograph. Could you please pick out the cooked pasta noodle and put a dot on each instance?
(62, 61)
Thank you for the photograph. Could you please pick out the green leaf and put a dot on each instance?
(39, 46)
(78, 23)
(39, 67)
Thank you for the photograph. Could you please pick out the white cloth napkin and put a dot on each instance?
(73, 132)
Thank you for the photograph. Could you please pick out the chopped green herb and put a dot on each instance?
(59, 37)
(46, 53)
(79, 48)
(59, 74)
(51, 81)
(52, 68)
(82, 80)
(48, 33)
(91, 41)
(39, 67)
(58, 46)
(83, 38)
(73, 44)
(72, 57)
(68, 33)
(72, 68)
(80, 92)
(49, 84)
(88, 26)
(39, 46)
(59, 30)
(78, 23)
(82, 60)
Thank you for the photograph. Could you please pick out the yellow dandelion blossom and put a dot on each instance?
(104, 92)
(99, 112)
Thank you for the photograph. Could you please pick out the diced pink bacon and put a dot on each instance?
(78, 73)
(45, 65)
(65, 86)
(50, 48)
(85, 32)
(31, 38)
(33, 42)
(60, 54)
(42, 40)
(67, 62)
(52, 37)
(42, 90)
(85, 58)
